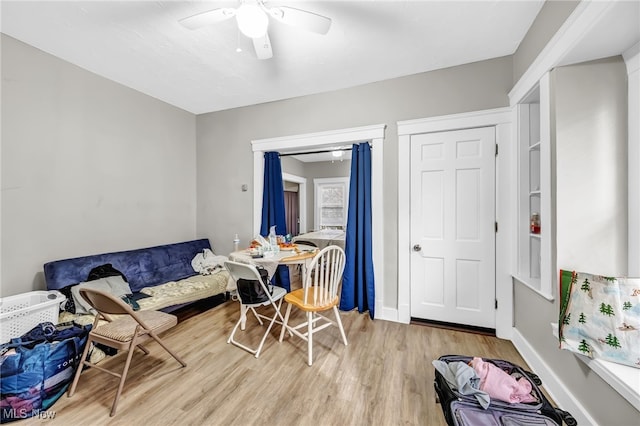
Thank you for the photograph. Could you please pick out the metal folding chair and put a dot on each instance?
(275, 295)
(127, 331)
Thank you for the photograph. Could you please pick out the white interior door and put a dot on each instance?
(453, 226)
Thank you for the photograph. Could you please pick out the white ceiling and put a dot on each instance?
(616, 30)
(140, 44)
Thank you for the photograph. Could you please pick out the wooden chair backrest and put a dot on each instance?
(324, 276)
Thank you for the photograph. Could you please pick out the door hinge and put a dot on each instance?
(496, 150)
(496, 303)
(496, 227)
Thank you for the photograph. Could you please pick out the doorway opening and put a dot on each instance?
(300, 184)
(325, 140)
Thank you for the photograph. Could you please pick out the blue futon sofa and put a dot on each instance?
(164, 272)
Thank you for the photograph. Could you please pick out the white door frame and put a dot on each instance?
(302, 198)
(502, 119)
(375, 136)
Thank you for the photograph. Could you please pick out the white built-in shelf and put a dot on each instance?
(534, 261)
(535, 284)
(623, 378)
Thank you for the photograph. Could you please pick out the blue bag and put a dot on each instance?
(37, 368)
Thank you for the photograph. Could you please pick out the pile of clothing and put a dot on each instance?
(484, 381)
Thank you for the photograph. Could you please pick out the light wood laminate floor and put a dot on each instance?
(383, 377)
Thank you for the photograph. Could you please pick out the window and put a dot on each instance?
(331, 203)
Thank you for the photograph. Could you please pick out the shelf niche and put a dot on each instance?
(534, 250)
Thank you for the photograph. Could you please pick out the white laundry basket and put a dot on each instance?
(22, 312)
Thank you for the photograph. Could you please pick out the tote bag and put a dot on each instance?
(600, 317)
(36, 373)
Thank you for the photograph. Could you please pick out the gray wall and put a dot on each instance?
(293, 166)
(591, 222)
(88, 166)
(591, 172)
(225, 158)
(549, 19)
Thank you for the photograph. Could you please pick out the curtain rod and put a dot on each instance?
(313, 152)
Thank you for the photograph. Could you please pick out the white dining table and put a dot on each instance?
(324, 238)
(271, 262)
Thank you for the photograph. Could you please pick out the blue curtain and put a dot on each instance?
(358, 284)
(273, 212)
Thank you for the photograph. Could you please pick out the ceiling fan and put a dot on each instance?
(253, 20)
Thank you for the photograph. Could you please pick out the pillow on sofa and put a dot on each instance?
(114, 285)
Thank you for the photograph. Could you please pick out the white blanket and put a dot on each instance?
(206, 263)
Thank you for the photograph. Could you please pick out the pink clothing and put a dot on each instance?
(500, 385)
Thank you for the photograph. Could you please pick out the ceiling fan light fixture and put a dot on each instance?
(252, 20)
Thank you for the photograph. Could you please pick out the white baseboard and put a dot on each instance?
(387, 314)
(552, 383)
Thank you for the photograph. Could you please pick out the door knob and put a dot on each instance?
(417, 247)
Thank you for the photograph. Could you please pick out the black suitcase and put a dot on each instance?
(461, 409)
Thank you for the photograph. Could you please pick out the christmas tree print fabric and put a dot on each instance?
(600, 317)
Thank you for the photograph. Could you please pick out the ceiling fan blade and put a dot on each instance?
(203, 19)
(301, 18)
(262, 45)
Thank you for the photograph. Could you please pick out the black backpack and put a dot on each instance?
(250, 291)
(102, 271)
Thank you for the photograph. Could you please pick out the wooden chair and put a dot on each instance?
(245, 271)
(319, 293)
(127, 331)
